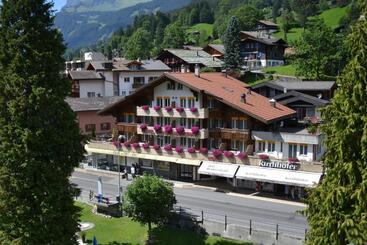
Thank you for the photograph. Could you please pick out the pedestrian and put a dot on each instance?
(133, 171)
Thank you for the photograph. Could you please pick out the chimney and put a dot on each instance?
(243, 98)
(183, 68)
(197, 70)
(272, 102)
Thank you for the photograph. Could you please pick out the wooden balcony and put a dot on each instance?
(201, 113)
(230, 133)
(126, 127)
(203, 133)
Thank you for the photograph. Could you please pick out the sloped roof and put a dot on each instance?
(227, 90)
(218, 47)
(121, 64)
(90, 104)
(267, 23)
(263, 37)
(297, 85)
(196, 57)
(85, 75)
(293, 96)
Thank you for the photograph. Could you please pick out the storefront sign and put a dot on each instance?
(218, 169)
(278, 164)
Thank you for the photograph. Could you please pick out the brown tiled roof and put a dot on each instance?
(226, 89)
(229, 91)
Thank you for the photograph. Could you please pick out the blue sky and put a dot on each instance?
(59, 4)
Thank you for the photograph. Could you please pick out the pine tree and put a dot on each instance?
(337, 211)
(232, 41)
(40, 142)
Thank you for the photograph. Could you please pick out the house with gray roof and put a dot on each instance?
(187, 59)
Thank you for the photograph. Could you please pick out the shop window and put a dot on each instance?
(105, 126)
(271, 146)
(292, 150)
(183, 102)
(90, 127)
(261, 146)
(303, 149)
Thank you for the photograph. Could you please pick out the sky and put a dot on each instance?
(59, 4)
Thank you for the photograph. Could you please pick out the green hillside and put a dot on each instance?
(202, 29)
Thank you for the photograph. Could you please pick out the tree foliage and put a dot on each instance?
(232, 41)
(149, 200)
(337, 211)
(318, 51)
(40, 141)
(138, 45)
(174, 36)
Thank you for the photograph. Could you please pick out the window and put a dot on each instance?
(160, 140)
(126, 79)
(214, 143)
(281, 146)
(183, 102)
(159, 101)
(242, 123)
(261, 146)
(190, 142)
(171, 86)
(167, 140)
(128, 117)
(183, 122)
(159, 120)
(183, 142)
(105, 126)
(167, 101)
(91, 94)
(152, 79)
(238, 145)
(292, 150)
(303, 149)
(271, 146)
(131, 92)
(212, 103)
(191, 122)
(90, 127)
(190, 102)
(167, 121)
(139, 80)
(123, 93)
(179, 86)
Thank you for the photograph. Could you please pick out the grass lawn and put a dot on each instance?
(293, 34)
(201, 27)
(288, 70)
(119, 231)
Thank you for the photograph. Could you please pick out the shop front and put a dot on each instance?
(210, 170)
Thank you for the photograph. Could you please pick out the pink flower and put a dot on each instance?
(157, 108)
(179, 109)
(168, 129)
(263, 157)
(191, 150)
(168, 108)
(193, 109)
(179, 149)
(143, 127)
(157, 128)
(156, 147)
(146, 146)
(293, 159)
(135, 145)
(217, 153)
(228, 154)
(145, 107)
(180, 130)
(116, 143)
(195, 130)
(242, 155)
(127, 144)
(204, 150)
(167, 148)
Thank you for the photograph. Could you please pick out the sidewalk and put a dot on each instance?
(215, 187)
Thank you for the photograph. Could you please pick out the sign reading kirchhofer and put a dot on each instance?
(278, 164)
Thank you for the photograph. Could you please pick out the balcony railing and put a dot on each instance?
(126, 127)
(201, 113)
(202, 133)
(230, 133)
(143, 151)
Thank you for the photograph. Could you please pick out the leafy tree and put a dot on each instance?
(40, 141)
(138, 45)
(317, 51)
(149, 200)
(304, 9)
(231, 42)
(275, 9)
(337, 211)
(174, 36)
(194, 16)
(287, 22)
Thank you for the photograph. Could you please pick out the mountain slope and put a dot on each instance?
(86, 28)
(99, 5)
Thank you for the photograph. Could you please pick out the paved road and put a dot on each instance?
(265, 214)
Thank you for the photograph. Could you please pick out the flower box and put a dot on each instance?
(116, 143)
(180, 130)
(191, 150)
(143, 127)
(179, 109)
(157, 147)
(168, 129)
(195, 130)
(127, 144)
(167, 148)
(242, 155)
(157, 128)
(157, 108)
(179, 149)
(263, 157)
(217, 153)
(193, 109)
(168, 108)
(145, 107)
(145, 146)
(135, 145)
(228, 154)
(293, 159)
(204, 150)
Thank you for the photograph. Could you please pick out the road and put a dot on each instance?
(265, 213)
